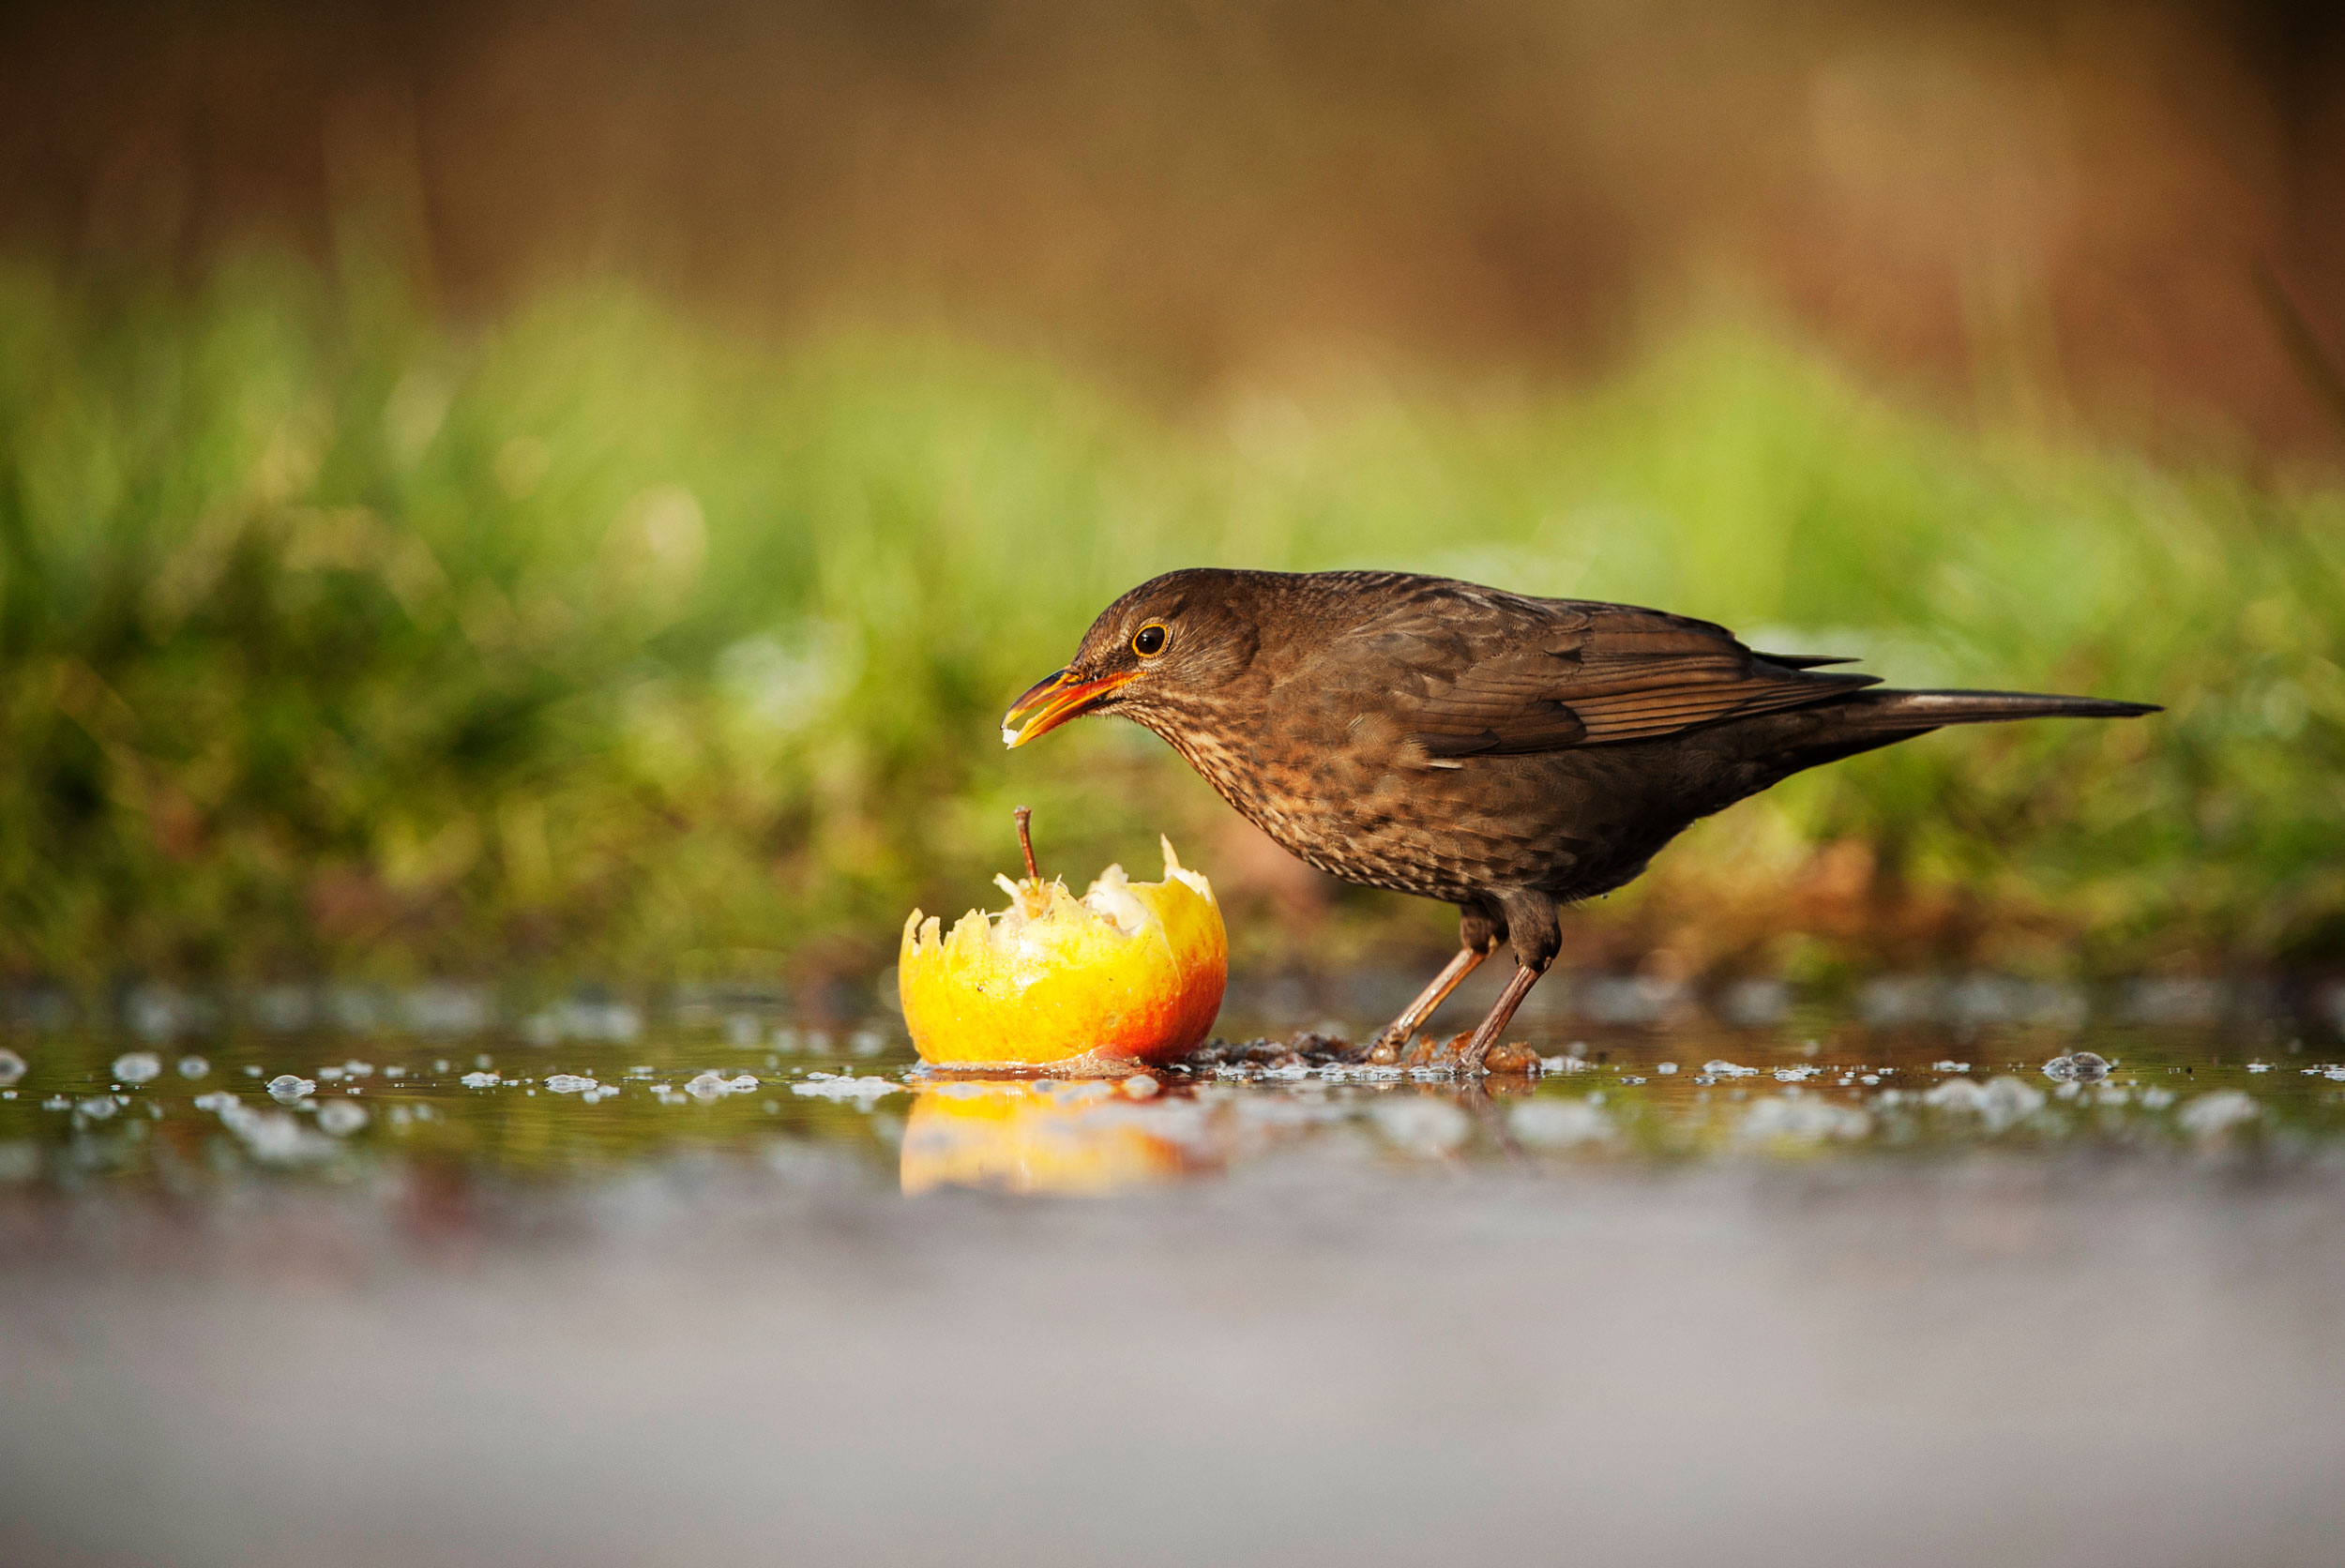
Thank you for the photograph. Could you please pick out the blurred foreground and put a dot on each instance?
(1896, 1297)
(595, 644)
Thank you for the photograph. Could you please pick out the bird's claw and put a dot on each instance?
(1452, 1053)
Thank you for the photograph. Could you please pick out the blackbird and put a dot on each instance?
(1502, 753)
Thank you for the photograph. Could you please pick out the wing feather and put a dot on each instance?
(1479, 672)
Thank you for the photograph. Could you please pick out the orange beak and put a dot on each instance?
(1052, 701)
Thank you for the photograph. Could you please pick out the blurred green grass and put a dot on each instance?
(601, 640)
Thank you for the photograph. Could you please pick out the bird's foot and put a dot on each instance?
(1458, 1054)
(1428, 1051)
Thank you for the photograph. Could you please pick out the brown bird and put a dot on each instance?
(1502, 753)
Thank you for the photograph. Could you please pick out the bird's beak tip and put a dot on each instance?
(1052, 701)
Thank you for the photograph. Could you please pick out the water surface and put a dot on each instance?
(749, 1292)
(91, 1115)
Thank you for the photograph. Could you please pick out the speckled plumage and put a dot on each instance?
(1502, 753)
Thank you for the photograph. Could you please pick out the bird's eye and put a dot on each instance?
(1150, 640)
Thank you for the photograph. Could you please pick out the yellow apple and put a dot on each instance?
(1130, 972)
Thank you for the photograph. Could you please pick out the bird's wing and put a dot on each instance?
(1483, 674)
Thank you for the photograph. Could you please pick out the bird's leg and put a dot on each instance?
(1462, 963)
(1480, 930)
(1531, 925)
(1502, 1013)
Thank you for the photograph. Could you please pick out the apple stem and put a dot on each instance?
(1025, 840)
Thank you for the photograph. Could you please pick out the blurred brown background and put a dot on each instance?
(2044, 210)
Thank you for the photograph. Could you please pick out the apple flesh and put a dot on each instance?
(1130, 972)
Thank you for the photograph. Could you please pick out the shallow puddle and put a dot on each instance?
(1823, 1292)
(86, 1114)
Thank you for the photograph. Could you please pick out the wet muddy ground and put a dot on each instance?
(722, 1289)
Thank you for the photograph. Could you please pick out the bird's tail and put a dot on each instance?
(1898, 712)
(1866, 720)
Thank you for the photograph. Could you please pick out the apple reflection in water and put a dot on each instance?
(1049, 1136)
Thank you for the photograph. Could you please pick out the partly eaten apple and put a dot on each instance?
(1130, 972)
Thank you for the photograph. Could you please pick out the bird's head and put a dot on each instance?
(1152, 656)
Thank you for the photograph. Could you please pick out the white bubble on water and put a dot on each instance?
(570, 1084)
(137, 1066)
(479, 1080)
(863, 1091)
(193, 1066)
(285, 1086)
(1720, 1069)
(1421, 1125)
(270, 1135)
(99, 1107)
(2000, 1102)
(2212, 1116)
(1781, 1118)
(2007, 1100)
(1140, 1086)
(714, 1085)
(1563, 1065)
(1796, 1075)
(11, 1067)
(1558, 1123)
(1956, 1095)
(1663, 1067)
(341, 1117)
(2083, 1066)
